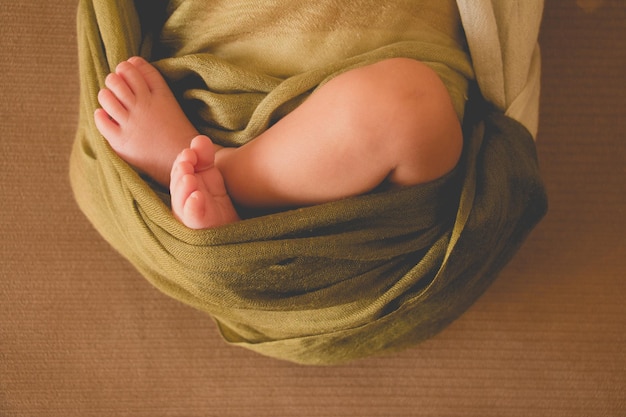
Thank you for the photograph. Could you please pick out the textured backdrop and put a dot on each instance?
(82, 334)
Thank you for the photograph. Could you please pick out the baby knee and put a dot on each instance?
(399, 110)
(408, 109)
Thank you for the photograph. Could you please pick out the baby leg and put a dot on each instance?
(390, 122)
(141, 119)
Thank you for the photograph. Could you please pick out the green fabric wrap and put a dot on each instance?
(317, 285)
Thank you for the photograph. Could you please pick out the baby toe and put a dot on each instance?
(133, 77)
(106, 125)
(180, 168)
(194, 211)
(151, 75)
(180, 192)
(118, 86)
(204, 150)
(112, 105)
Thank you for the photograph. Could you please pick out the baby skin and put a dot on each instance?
(389, 123)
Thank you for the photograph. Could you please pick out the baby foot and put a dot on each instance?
(199, 197)
(141, 119)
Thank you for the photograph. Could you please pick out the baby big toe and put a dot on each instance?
(204, 150)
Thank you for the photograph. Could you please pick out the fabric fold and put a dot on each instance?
(502, 38)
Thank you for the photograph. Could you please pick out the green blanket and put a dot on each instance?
(317, 285)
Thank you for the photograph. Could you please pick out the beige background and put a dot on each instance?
(82, 334)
